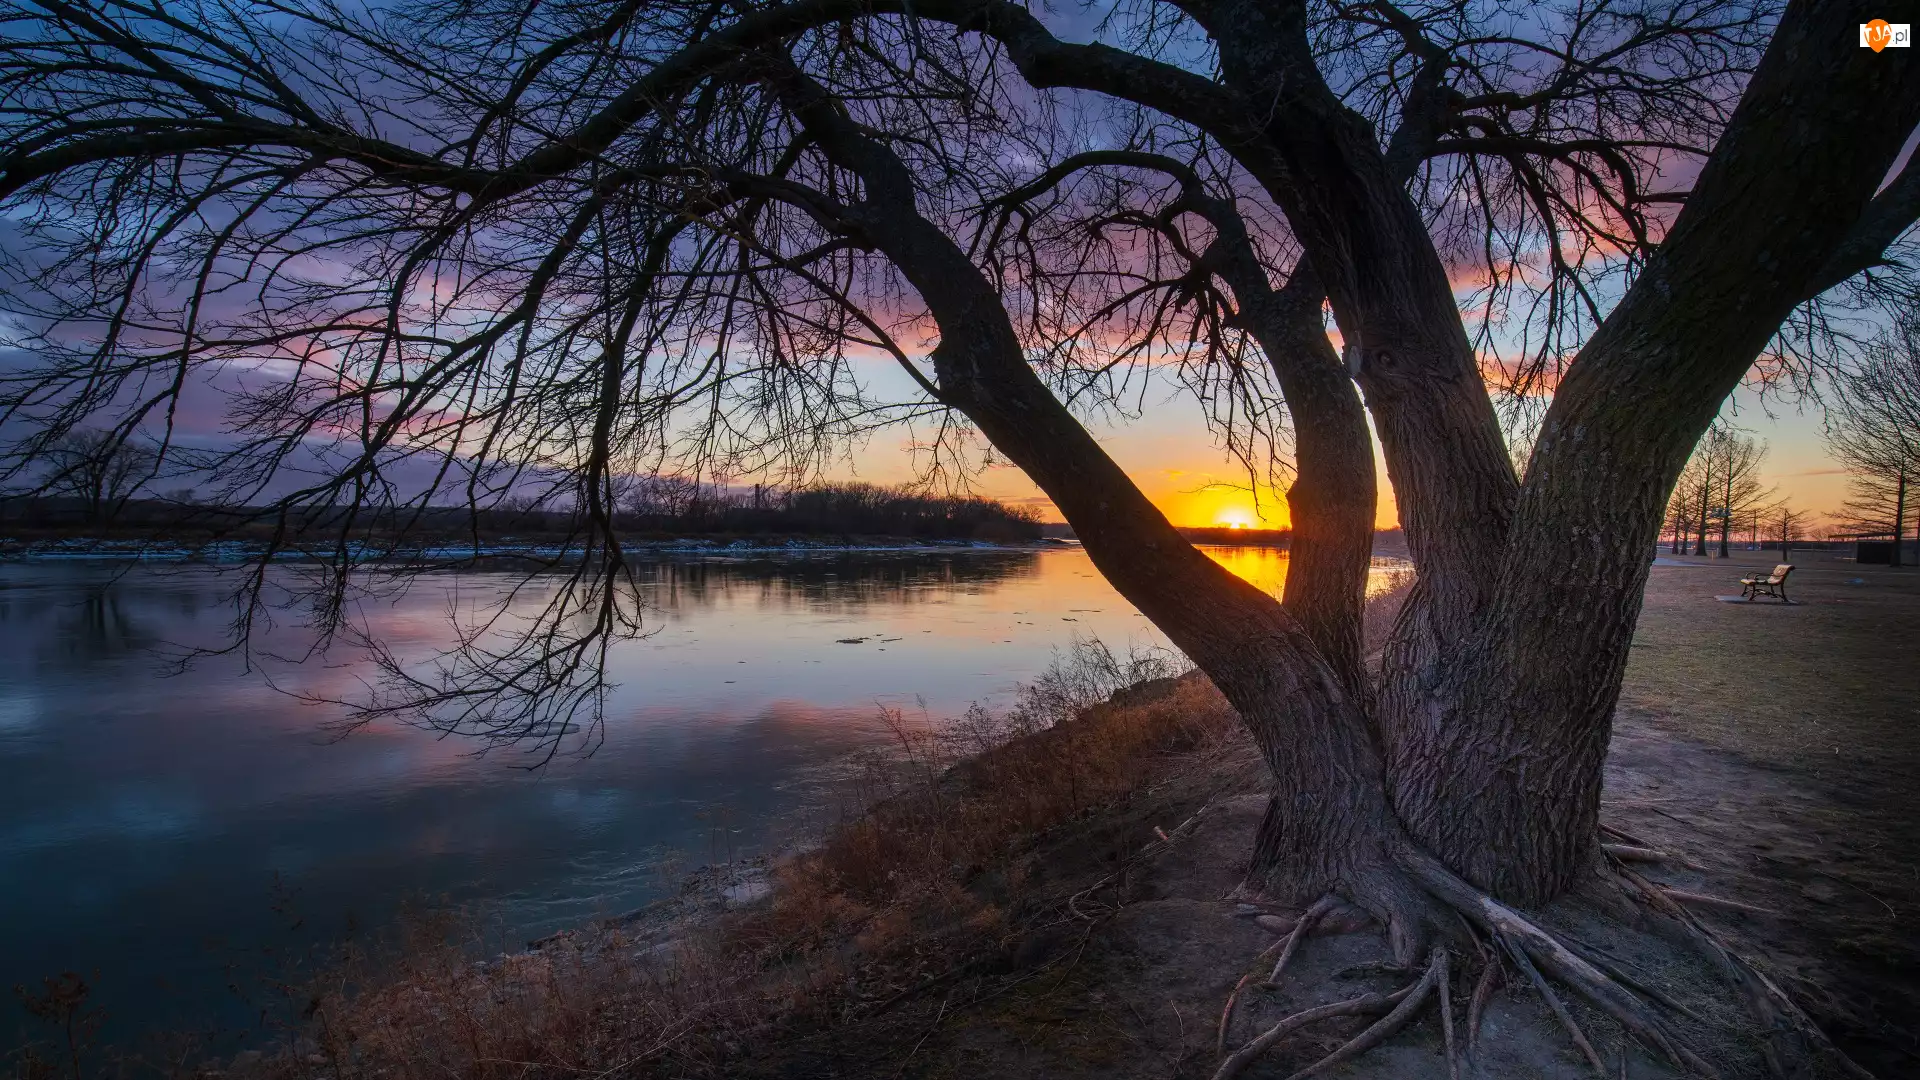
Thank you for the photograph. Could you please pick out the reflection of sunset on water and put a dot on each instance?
(1266, 568)
(166, 808)
(171, 804)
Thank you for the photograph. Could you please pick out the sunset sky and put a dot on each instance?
(1171, 455)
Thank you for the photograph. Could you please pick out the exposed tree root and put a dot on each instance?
(1560, 1012)
(1552, 963)
(1634, 853)
(1630, 848)
(1226, 1013)
(1288, 945)
(1300, 931)
(1482, 993)
(1788, 1027)
(1555, 959)
(1703, 900)
(1381, 1029)
(1399, 1006)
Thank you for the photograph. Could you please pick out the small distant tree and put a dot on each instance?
(1787, 525)
(1874, 430)
(101, 468)
(665, 495)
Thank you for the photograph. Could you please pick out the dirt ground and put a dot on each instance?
(1779, 748)
(1772, 745)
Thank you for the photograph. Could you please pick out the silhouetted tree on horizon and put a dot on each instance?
(102, 469)
(1874, 430)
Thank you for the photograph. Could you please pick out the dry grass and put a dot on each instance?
(933, 880)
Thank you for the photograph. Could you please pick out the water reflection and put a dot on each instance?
(145, 820)
(93, 621)
(148, 823)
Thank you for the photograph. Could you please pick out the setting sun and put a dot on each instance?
(1235, 518)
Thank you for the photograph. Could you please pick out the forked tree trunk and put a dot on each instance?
(1331, 824)
(1485, 739)
(1503, 783)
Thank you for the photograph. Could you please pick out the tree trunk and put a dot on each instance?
(1706, 498)
(1726, 517)
(1496, 766)
(1330, 504)
(1899, 514)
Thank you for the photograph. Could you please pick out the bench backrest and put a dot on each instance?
(1780, 573)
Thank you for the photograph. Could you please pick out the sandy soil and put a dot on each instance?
(1772, 745)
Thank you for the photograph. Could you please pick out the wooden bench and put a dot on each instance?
(1774, 584)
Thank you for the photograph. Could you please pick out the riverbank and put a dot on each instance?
(1053, 906)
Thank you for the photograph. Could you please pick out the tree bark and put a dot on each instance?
(1503, 781)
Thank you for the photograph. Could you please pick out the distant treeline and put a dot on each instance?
(673, 505)
(650, 505)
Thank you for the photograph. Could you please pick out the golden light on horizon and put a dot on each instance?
(1235, 517)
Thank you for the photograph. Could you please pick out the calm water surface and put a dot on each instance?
(173, 837)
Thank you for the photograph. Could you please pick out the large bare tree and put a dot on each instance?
(563, 243)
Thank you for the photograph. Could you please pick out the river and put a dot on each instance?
(181, 838)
